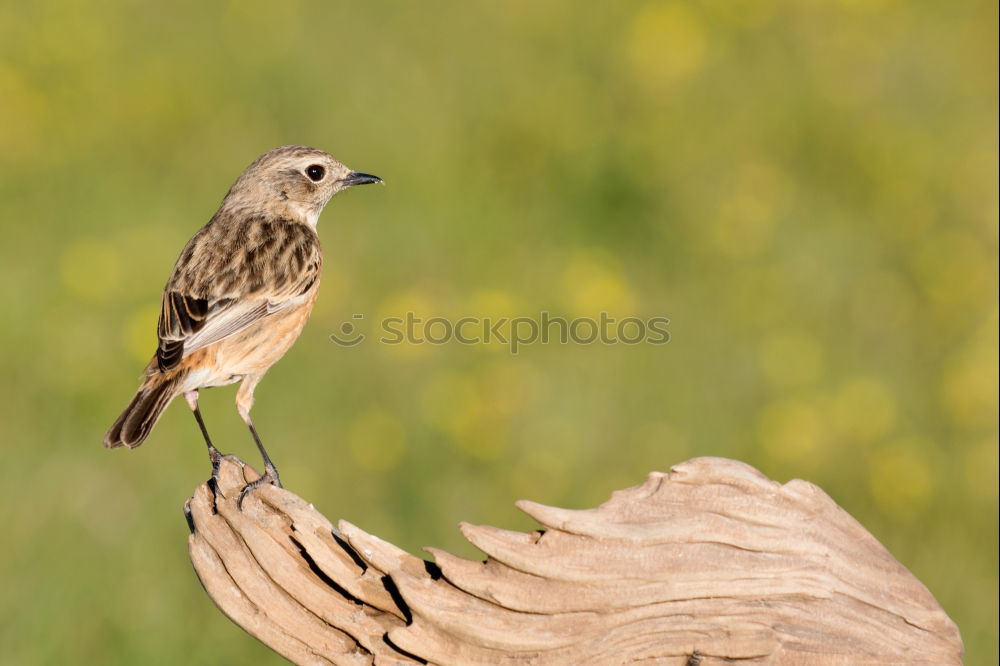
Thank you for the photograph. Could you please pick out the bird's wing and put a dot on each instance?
(229, 277)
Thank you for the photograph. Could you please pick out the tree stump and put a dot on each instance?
(710, 563)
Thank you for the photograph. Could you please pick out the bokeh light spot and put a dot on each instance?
(24, 110)
(969, 386)
(954, 269)
(864, 409)
(790, 430)
(745, 221)
(667, 43)
(594, 284)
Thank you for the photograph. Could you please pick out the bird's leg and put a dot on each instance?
(213, 453)
(244, 401)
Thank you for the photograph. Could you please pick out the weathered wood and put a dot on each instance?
(708, 564)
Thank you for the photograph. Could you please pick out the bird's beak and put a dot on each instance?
(355, 178)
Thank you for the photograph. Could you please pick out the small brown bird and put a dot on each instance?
(240, 293)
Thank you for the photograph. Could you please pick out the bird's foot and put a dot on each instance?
(270, 477)
(215, 457)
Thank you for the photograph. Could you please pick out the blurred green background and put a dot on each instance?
(807, 190)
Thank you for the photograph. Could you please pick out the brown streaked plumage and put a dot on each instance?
(240, 293)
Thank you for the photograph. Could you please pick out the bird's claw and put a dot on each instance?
(215, 457)
(270, 477)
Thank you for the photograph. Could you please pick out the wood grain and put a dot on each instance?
(710, 563)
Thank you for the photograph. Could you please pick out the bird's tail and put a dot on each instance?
(138, 419)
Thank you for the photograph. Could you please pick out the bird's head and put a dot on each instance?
(293, 180)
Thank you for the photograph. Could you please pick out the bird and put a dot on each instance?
(239, 294)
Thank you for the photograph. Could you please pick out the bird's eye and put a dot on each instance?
(315, 172)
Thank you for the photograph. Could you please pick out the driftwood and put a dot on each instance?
(710, 563)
